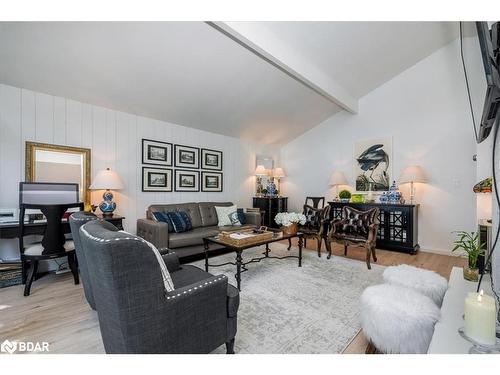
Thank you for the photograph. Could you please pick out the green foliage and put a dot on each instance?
(345, 194)
(469, 243)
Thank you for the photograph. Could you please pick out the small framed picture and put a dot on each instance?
(156, 179)
(156, 153)
(211, 159)
(211, 181)
(187, 157)
(187, 180)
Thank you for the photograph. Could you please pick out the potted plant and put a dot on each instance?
(290, 221)
(469, 243)
(345, 196)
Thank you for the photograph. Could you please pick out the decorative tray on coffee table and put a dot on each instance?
(246, 236)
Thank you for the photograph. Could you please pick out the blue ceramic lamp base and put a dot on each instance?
(107, 206)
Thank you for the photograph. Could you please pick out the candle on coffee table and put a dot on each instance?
(480, 318)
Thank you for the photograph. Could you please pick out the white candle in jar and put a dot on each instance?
(480, 318)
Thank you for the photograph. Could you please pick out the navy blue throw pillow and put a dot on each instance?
(180, 221)
(241, 216)
(163, 217)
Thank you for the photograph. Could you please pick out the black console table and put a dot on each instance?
(271, 206)
(398, 224)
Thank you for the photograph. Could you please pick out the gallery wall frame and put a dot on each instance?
(212, 182)
(156, 153)
(187, 157)
(186, 180)
(211, 159)
(157, 179)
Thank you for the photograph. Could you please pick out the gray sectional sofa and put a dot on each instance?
(204, 219)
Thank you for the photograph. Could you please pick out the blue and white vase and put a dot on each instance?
(272, 191)
(394, 196)
(107, 206)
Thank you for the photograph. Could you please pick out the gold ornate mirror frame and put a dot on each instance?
(30, 163)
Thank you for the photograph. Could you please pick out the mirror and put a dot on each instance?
(262, 181)
(54, 163)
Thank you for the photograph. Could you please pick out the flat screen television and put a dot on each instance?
(480, 57)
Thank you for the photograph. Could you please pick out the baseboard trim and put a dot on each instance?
(440, 252)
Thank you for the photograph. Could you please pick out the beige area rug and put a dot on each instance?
(287, 309)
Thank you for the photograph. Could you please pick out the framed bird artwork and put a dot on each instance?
(373, 164)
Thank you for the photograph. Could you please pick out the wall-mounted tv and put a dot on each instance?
(480, 57)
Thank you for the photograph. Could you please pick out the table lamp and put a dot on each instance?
(337, 179)
(412, 174)
(107, 180)
(279, 173)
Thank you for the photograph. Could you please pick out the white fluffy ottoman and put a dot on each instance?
(426, 282)
(397, 319)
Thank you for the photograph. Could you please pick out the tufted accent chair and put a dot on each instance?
(357, 228)
(136, 313)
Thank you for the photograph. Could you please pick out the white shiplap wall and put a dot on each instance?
(115, 140)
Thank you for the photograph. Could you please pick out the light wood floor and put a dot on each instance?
(441, 264)
(57, 311)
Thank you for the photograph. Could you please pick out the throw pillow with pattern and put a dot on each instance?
(235, 220)
(181, 221)
(163, 217)
(223, 214)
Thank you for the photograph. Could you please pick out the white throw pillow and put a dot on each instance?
(167, 280)
(223, 215)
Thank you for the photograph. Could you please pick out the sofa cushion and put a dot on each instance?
(164, 218)
(191, 238)
(224, 214)
(190, 208)
(241, 216)
(208, 213)
(235, 220)
(180, 221)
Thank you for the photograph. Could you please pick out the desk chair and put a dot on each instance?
(53, 244)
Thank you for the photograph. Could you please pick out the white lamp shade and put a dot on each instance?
(278, 173)
(260, 171)
(338, 178)
(414, 173)
(107, 179)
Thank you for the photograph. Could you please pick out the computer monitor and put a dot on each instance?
(47, 193)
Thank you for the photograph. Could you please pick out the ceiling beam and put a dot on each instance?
(263, 43)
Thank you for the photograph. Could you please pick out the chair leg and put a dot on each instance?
(328, 248)
(319, 246)
(289, 244)
(368, 255)
(73, 266)
(373, 254)
(305, 242)
(31, 276)
(24, 271)
(230, 347)
(345, 249)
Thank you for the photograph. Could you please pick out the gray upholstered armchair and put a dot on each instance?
(76, 220)
(137, 314)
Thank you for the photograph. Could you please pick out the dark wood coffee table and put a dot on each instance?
(240, 265)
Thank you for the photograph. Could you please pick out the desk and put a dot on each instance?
(11, 230)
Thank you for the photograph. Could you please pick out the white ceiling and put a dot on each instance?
(191, 74)
(363, 55)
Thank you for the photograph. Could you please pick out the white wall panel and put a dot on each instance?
(115, 140)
